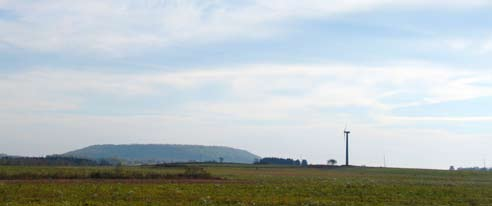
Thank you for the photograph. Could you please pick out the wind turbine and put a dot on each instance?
(346, 132)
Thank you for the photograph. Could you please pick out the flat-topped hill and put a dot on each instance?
(164, 153)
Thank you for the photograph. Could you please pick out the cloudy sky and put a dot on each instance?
(410, 78)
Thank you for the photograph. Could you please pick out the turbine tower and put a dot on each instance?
(346, 132)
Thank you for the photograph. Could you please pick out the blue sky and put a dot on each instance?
(278, 78)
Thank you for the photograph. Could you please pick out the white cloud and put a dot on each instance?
(486, 47)
(440, 119)
(253, 91)
(466, 45)
(123, 27)
(458, 44)
(115, 27)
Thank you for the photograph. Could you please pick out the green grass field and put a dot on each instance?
(243, 185)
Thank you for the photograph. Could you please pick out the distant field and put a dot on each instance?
(243, 185)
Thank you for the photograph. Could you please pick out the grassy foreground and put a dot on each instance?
(248, 185)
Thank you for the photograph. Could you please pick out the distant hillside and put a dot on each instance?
(3, 155)
(164, 153)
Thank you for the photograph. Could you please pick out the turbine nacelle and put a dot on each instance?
(345, 130)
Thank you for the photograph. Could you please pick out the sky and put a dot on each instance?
(411, 79)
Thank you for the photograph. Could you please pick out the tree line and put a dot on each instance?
(55, 160)
(281, 161)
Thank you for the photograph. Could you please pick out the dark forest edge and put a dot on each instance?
(56, 160)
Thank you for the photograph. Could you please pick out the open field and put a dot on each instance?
(244, 185)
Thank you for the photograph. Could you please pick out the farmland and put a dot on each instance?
(241, 185)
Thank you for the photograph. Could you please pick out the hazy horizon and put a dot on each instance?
(411, 79)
